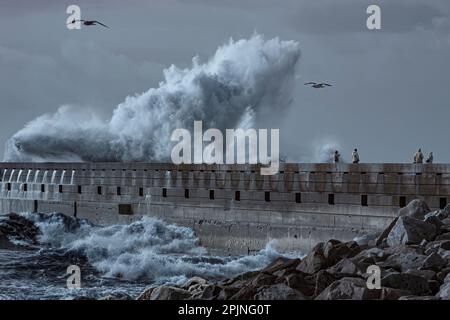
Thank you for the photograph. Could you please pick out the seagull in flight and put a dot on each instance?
(89, 23)
(318, 85)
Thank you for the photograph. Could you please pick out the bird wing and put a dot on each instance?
(326, 84)
(101, 23)
(73, 21)
(310, 83)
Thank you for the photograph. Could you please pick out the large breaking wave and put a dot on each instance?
(147, 249)
(243, 80)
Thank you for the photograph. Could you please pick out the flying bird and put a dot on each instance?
(318, 85)
(89, 23)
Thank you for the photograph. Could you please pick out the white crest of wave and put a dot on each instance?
(242, 79)
(145, 249)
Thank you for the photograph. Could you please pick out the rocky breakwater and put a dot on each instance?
(412, 255)
(16, 230)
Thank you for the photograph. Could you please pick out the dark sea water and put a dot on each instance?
(117, 260)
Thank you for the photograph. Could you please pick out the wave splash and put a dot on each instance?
(148, 249)
(243, 80)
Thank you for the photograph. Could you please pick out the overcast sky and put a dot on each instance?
(391, 87)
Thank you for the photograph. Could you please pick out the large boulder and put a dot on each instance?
(321, 280)
(195, 285)
(440, 214)
(367, 240)
(227, 292)
(442, 275)
(406, 281)
(169, 293)
(334, 250)
(409, 230)
(444, 291)
(345, 266)
(314, 261)
(433, 262)
(209, 292)
(145, 295)
(404, 261)
(279, 291)
(443, 236)
(427, 274)
(299, 282)
(425, 298)
(281, 263)
(348, 289)
(446, 211)
(383, 235)
(325, 255)
(262, 279)
(393, 294)
(245, 293)
(193, 282)
(369, 257)
(415, 209)
(434, 220)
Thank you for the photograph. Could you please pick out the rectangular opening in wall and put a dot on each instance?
(442, 203)
(118, 191)
(186, 193)
(60, 190)
(402, 201)
(35, 206)
(237, 195)
(42, 187)
(8, 186)
(331, 198)
(25, 187)
(364, 200)
(99, 190)
(126, 209)
(164, 192)
(267, 196)
(79, 189)
(141, 192)
(298, 197)
(211, 194)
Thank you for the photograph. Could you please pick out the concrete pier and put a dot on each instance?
(231, 208)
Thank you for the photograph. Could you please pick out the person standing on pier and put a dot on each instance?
(418, 157)
(336, 156)
(355, 156)
(430, 158)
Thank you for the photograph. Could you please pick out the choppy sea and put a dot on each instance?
(116, 260)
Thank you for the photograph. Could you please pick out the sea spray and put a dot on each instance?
(145, 250)
(242, 80)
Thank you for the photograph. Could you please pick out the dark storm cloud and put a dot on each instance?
(327, 16)
(390, 93)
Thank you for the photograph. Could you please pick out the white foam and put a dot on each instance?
(146, 249)
(241, 80)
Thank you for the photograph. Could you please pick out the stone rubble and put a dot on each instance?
(413, 254)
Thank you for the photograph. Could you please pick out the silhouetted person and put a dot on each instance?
(355, 156)
(430, 158)
(418, 157)
(336, 156)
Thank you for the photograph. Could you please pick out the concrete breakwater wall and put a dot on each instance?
(231, 208)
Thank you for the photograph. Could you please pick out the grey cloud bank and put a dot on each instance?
(390, 93)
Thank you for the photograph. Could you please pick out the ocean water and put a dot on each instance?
(114, 260)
